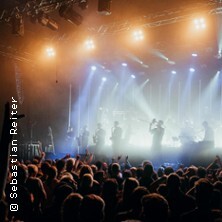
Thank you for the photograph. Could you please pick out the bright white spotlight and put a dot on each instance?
(192, 70)
(219, 55)
(93, 68)
(199, 23)
(133, 76)
(50, 52)
(124, 64)
(138, 35)
(104, 79)
(146, 66)
(89, 44)
(171, 62)
(194, 54)
(174, 72)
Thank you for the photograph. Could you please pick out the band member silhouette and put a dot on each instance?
(157, 130)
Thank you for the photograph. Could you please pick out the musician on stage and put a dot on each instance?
(157, 130)
(99, 139)
(116, 137)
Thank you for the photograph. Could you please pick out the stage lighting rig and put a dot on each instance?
(67, 12)
(83, 4)
(38, 10)
(45, 20)
(153, 20)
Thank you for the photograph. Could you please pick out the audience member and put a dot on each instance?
(92, 208)
(71, 207)
(155, 208)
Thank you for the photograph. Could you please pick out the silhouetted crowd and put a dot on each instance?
(76, 189)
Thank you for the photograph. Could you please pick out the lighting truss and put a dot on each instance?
(31, 8)
(18, 57)
(159, 19)
(15, 54)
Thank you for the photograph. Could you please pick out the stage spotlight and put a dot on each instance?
(219, 55)
(194, 54)
(138, 35)
(174, 72)
(93, 68)
(199, 23)
(124, 64)
(44, 20)
(50, 52)
(17, 25)
(70, 15)
(83, 4)
(104, 79)
(192, 70)
(171, 62)
(133, 76)
(104, 7)
(89, 44)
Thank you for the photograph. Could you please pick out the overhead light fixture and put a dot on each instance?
(192, 70)
(194, 54)
(138, 35)
(104, 7)
(70, 15)
(93, 68)
(83, 4)
(44, 20)
(17, 24)
(50, 52)
(89, 43)
(199, 23)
